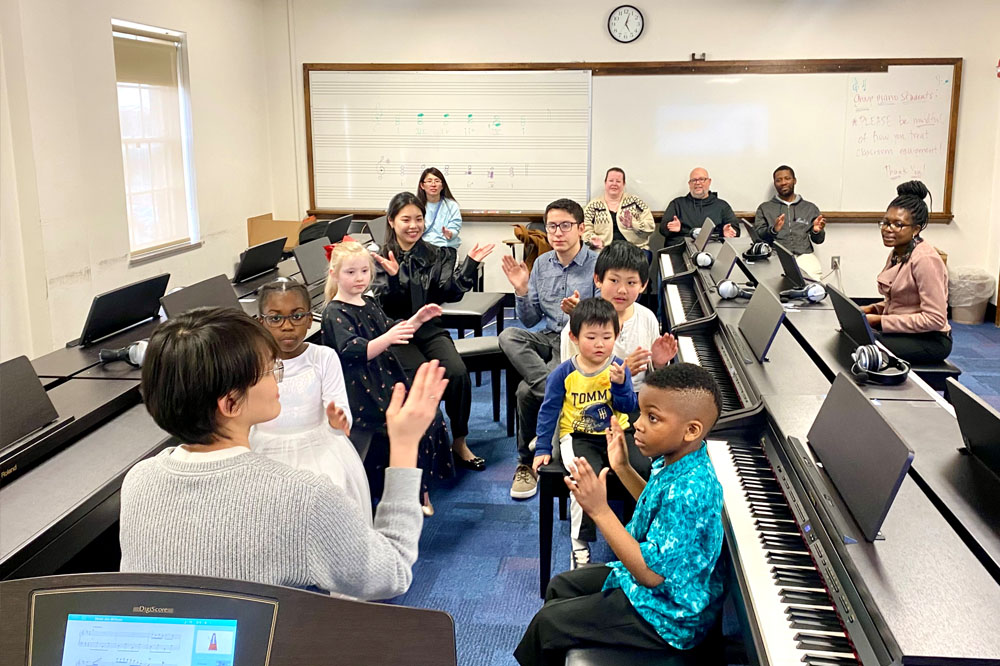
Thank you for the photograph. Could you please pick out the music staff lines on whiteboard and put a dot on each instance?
(502, 168)
(491, 196)
(448, 88)
(453, 117)
(446, 142)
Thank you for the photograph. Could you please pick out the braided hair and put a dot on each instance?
(282, 285)
(910, 197)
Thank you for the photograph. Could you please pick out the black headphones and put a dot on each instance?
(874, 365)
(758, 251)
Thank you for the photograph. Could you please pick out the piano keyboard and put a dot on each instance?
(702, 350)
(785, 596)
(682, 303)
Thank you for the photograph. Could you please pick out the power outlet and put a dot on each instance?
(835, 263)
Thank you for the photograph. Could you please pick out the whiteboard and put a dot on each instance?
(851, 138)
(506, 141)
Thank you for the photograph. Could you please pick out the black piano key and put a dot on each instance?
(827, 660)
(785, 558)
(815, 625)
(817, 613)
(805, 597)
(791, 580)
(809, 641)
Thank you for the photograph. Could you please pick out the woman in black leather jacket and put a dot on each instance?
(413, 274)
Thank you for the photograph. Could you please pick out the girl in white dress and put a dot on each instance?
(311, 433)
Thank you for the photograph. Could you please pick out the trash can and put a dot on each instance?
(969, 290)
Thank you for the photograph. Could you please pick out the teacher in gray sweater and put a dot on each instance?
(211, 507)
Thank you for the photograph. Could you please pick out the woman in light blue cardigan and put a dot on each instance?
(443, 219)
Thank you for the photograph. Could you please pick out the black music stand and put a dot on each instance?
(120, 309)
(979, 424)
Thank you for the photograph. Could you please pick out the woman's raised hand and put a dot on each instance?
(390, 265)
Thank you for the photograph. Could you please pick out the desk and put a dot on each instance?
(927, 584)
(58, 507)
(61, 364)
(964, 489)
(818, 331)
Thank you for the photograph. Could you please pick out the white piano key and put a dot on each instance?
(763, 600)
(675, 306)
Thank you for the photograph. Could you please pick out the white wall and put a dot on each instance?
(70, 144)
(563, 30)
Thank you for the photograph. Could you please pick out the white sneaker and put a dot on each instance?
(579, 557)
(525, 483)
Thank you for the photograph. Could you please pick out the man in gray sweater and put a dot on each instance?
(211, 507)
(788, 218)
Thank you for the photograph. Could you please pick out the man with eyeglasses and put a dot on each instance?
(792, 220)
(547, 294)
(687, 213)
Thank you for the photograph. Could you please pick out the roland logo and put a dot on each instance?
(9, 470)
(152, 610)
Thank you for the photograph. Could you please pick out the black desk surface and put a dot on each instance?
(69, 361)
(930, 588)
(56, 497)
(966, 488)
(286, 268)
(788, 369)
(819, 329)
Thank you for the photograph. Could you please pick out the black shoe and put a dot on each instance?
(476, 464)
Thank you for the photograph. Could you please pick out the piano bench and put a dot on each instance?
(710, 652)
(483, 354)
(935, 374)
(476, 310)
(551, 486)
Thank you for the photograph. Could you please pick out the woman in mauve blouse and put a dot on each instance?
(912, 321)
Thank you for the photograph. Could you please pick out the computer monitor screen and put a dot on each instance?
(259, 259)
(122, 308)
(311, 258)
(704, 235)
(789, 266)
(979, 423)
(853, 322)
(861, 452)
(761, 320)
(123, 639)
(724, 261)
(213, 292)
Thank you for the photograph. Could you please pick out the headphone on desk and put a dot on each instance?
(758, 251)
(874, 365)
(729, 290)
(704, 260)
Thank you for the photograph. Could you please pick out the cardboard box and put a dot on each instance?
(263, 228)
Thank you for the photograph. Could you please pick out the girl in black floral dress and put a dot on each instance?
(363, 335)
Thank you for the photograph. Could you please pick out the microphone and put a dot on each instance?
(133, 354)
(729, 290)
(704, 260)
(813, 292)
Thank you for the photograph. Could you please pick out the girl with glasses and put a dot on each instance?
(312, 430)
(912, 320)
(443, 218)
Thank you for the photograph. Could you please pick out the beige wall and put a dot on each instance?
(68, 145)
(563, 30)
(63, 212)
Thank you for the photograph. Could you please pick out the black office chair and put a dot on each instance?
(315, 230)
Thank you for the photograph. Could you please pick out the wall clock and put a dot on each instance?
(625, 24)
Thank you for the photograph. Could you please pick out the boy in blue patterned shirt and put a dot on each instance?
(665, 592)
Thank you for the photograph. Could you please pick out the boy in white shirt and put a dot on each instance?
(621, 273)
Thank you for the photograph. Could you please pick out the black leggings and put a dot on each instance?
(917, 347)
(433, 342)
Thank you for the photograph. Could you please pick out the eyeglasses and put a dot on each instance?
(278, 370)
(561, 226)
(276, 320)
(699, 180)
(432, 181)
(892, 224)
